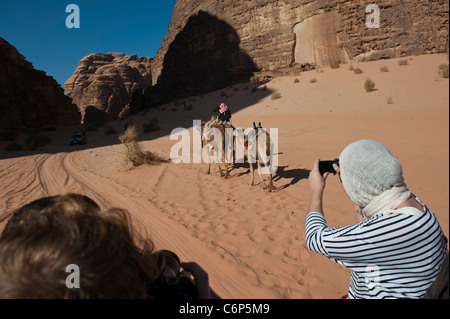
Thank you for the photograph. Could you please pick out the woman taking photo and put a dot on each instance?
(396, 248)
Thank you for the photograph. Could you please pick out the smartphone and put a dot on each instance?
(327, 166)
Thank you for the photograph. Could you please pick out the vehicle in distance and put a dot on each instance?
(78, 138)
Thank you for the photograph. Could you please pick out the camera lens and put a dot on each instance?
(168, 263)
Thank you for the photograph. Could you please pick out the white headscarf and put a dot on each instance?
(372, 177)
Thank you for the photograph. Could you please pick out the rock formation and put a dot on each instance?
(28, 97)
(277, 35)
(107, 82)
(211, 44)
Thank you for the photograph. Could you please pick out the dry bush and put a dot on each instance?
(134, 152)
(443, 70)
(276, 96)
(369, 85)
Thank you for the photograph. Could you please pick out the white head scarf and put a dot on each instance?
(372, 177)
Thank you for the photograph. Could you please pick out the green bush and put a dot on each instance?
(369, 85)
(14, 147)
(36, 140)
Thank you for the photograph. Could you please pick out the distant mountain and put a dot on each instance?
(28, 97)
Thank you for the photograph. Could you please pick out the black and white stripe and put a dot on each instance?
(391, 255)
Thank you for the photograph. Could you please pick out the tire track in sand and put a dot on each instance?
(151, 217)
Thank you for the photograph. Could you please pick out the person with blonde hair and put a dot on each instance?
(44, 237)
(397, 247)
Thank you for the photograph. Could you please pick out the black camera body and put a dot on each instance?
(327, 167)
(170, 284)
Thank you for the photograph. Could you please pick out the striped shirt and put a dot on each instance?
(391, 255)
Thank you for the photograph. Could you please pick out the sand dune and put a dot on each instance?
(252, 242)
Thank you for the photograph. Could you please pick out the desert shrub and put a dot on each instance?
(91, 127)
(389, 100)
(134, 152)
(276, 96)
(189, 107)
(296, 80)
(313, 80)
(443, 70)
(254, 89)
(14, 147)
(335, 65)
(358, 71)
(369, 85)
(418, 51)
(384, 69)
(152, 126)
(351, 67)
(8, 135)
(403, 62)
(109, 130)
(36, 140)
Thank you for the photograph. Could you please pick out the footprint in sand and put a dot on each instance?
(273, 250)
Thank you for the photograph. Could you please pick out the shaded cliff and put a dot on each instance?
(28, 97)
(204, 56)
(276, 35)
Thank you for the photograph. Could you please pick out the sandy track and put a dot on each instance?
(64, 172)
(252, 242)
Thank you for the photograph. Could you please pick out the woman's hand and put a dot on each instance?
(316, 180)
(201, 280)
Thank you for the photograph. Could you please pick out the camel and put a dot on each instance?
(213, 137)
(254, 151)
(259, 152)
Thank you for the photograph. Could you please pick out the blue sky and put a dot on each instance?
(38, 30)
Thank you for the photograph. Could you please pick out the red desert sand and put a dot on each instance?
(250, 241)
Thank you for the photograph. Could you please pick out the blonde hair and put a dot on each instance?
(44, 237)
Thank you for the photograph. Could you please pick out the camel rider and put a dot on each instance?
(224, 114)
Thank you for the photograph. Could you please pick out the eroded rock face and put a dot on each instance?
(278, 34)
(211, 44)
(28, 97)
(108, 81)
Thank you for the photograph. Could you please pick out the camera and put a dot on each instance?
(170, 283)
(327, 166)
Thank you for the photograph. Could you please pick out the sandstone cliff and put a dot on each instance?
(28, 97)
(278, 34)
(107, 82)
(211, 44)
